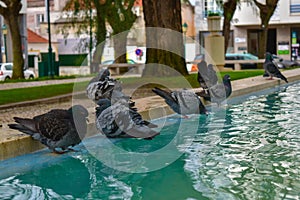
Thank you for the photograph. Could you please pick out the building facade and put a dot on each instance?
(283, 33)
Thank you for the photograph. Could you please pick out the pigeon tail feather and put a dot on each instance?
(163, 94)
(21, 128)
(279, 75)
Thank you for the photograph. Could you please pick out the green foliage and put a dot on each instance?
(211, 13)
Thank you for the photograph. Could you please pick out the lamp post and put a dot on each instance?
(50, 63)
(184, 30)
(4, 31)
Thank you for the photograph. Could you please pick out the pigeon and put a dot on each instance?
(219, 92)
(57, 128)
(271, 69)
(101, 76)
(118, 120)
(207, 76)
(102, 86)
(182, 102)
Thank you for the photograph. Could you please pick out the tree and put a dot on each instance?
(85, 6)
(229, 8)
(164, 46)
(121, 18)
(118, 13)
(10, 13)
(265, 12)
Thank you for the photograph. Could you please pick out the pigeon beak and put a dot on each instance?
(87, 119)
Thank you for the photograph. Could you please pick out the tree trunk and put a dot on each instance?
(18, 60)
(120, 47)
(11, 17)
(262, 37)
(121, 18)
(100, 36)
(265, 12)
(229, 10)
(165, 39)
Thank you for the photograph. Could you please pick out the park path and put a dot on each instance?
(6, 86)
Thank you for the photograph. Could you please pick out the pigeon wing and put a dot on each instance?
(53, 126)
(169, 97)
(189, 102)
(202, 76)
(213, 78)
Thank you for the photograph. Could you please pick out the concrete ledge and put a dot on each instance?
(13, 143)
(18, 144)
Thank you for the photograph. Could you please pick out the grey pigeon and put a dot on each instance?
(219, 92)
(101, 76)
(271, 69)
(102, 86)
(183, 102)
(57, 128)
(207, 76)
(118, 120)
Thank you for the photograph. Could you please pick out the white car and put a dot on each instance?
(6, 72)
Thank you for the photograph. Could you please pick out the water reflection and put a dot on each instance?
(255, 157)
(67, 179)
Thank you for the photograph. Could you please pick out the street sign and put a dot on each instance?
(139, 52)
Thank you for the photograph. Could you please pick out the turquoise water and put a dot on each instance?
(250, 150)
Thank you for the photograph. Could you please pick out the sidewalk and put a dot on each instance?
(13, 143)
(6, 86)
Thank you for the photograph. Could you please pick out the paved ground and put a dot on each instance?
(7, 86)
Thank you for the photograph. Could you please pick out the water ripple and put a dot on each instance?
(258, 153)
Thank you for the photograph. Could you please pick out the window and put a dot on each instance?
(39, 18)
(8, 67)
(212, 5)
(294, 6)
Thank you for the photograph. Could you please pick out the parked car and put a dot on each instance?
(6, 72)
(281, 63)
(241, 56)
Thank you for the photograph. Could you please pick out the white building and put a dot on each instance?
(283, 34)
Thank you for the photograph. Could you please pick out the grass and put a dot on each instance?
(178, 82)
(33, 93)
(43, 79)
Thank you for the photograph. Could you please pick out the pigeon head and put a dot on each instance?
(103, 73)
(79, 110)
(269, 56)
(226, 78)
